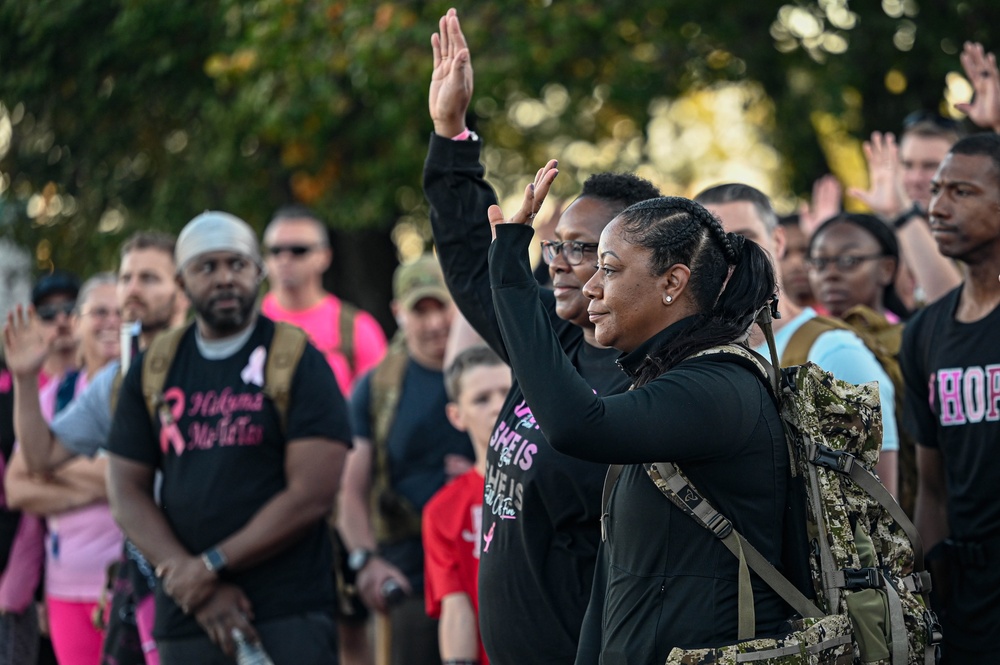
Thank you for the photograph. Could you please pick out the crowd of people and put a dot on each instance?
(192, 470)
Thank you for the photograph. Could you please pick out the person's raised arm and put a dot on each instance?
(981, 70)
(935, 273)
(451, 80)
(26, 346)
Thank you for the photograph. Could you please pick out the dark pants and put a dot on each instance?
(414, 634)
(302, 639)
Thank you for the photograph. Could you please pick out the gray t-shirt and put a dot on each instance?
(85, 424)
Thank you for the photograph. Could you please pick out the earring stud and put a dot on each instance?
(668, 299)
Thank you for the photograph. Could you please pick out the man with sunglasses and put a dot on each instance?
(297, 254)
(54, 298)
(541, 509)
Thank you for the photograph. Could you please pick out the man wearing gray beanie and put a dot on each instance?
(238, 538)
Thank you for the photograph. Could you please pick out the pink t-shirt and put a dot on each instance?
(81, 542)
(322, 324)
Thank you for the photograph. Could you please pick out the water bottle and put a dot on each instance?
(247, 653)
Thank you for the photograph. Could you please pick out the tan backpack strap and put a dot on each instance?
(287, 346)
(345, 323)
(797, 351)
(156, 363)
(116, 386)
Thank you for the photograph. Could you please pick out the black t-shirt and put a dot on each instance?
(419, 439)
(669, 581)
(952, 375)
(232, 463)
(541, 509)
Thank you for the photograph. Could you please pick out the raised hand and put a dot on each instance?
(534, 196)
(885, 195)
(26, 341)
(451, 82)
(981, 70)
(825, 204)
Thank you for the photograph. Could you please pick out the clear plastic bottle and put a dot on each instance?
(247, 653)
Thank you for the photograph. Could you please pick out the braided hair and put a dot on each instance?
(888, 244)
(678, 230)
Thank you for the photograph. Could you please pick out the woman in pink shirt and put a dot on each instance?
(82, 536)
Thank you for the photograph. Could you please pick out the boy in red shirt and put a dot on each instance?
(477, 383)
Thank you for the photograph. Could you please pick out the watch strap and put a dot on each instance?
(214, 560)
(905, 218)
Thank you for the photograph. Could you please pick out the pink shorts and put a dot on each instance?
(75, 639)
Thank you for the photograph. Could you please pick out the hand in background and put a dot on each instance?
(981, 70)
(885, 194)
(825, 203)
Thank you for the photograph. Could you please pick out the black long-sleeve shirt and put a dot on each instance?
(668, 581)
(541, 508)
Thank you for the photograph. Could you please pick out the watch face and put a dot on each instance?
(357, 559)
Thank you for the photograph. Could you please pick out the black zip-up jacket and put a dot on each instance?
(540, 527)
(668, 581)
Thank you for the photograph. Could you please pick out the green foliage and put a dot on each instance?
(132, 114)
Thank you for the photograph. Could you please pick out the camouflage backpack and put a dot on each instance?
(869, 597)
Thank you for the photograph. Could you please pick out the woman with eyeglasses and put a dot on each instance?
(670, 283)
(853, 260)
(83, 538)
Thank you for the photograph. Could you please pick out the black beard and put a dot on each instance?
(230, 322)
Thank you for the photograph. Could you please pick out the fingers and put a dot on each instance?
(455, 36)
(443, 36)
(436, 49)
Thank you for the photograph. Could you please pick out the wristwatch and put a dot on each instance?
(214, 560)
(904, 219)
(359, 558)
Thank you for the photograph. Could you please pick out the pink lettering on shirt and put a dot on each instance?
(974, 392)
(993, 392)
(949, 383)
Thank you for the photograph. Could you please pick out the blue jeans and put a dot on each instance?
(301, 639)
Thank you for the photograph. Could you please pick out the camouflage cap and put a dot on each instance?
(417, 280)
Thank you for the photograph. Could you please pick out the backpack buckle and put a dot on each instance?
(835, 460)
(862, 578)
(720, 526)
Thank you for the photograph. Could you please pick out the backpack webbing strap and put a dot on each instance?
(156, 363)
(802, 340)
(610, 478)
(685, 496)
(345, 324)
(287, 346)
(864, 479)
(899, 649)
(393, 517)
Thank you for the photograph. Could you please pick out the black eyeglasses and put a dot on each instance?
(845, 263)
(918, 117)
(572, 251)
(294, 250)
(48, 313)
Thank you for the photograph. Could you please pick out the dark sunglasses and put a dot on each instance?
(48, 313)
(294, 250)
(918, 117)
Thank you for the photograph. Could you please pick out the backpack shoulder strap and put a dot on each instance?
(802, 340)
(386, 389)
(671, 482)
(287, 346)
(345, 323)
(155, 365)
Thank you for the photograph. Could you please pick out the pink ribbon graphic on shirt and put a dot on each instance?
(169, 412)
(254, 371)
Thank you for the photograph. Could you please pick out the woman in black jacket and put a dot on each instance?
(670, 283)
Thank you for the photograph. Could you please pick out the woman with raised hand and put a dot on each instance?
(670, 283)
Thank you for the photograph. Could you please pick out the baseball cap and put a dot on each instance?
(57, 281)
(417, 280)
(216, 231)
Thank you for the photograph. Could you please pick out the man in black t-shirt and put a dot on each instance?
(238, 536)
(951, 364)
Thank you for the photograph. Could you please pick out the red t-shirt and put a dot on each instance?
(452, 530)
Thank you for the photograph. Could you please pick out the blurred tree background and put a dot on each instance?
(128, 114)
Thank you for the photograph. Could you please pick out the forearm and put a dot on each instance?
(458, 630)
(42, 451)
(354, 521)
(459, 197)
(935, 273)
(931, 515)
(144, 523)
(887, 469)
(44, 497)
(279, 524)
